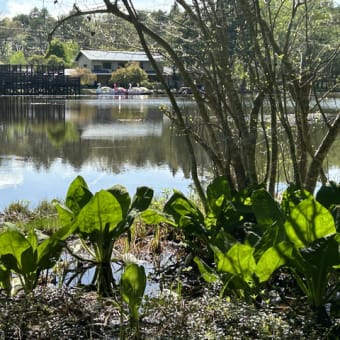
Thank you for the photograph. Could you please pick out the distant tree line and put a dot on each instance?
(24, 38)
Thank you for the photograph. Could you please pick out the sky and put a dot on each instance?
(10, 8)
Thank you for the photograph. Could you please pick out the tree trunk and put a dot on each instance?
(320, 155)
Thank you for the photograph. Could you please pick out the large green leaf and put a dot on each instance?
(292, 196)
(312, 265)
(142, 199)
(14, 244)
(329, 194)
(10, 262)
(103, 209)
(78, 195)
(178, 206)
(206, 272)
(65, 215)
(266, 209)
(270, 237)
(153, 217)
(307, 222)
(221, 212)
(132, 286)
(186, 215)
(49, 252)
(32, 238)
(218, 191)
(122, 196)
(28, 261)
(239, 260)
(321, 253)
(272, 259)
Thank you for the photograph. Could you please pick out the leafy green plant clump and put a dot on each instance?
(132, 287)
(248, 236)
(99, 220)
(27, 257)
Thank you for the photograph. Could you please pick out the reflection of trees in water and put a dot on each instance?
(285, 173)
(41, 133)
(40, 136)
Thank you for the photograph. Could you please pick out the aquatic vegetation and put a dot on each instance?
(99, 220)
(132, 287)
(245, 246)
(28, 256)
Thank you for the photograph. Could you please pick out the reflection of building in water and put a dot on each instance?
(123, 130)
(31, 109)
(113, 109)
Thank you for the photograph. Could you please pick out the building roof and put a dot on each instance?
(115, 55)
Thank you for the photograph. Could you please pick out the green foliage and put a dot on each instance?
(57, 48)
(186, 216)
(66, 51)
(299, 235)
(53, 60)
(101, 219)
(229, 215)
(85, 75)
(36, 59)
(28, 256)
(307, 222)
(132, 73)
(239, 262)
(311, 229)
(238, 270)
(132, 287)
(17, 58)
(329, 196)
(311, 266)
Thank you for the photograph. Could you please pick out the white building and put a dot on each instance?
(103, 63)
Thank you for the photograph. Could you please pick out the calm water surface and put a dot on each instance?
(46, 142)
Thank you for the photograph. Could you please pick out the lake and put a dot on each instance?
(45, 142)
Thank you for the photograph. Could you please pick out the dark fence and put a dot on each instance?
(37, 80)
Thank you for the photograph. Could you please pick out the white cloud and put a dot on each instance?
(11, 172)
(19, 7)
(10, 180)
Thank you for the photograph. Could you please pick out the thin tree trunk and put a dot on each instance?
(320, 155)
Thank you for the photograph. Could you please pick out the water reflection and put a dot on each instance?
(46, 142)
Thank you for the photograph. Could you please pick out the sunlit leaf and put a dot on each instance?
(239, 260)
(307, 222)
(103, 209)
(77, 195)
(272, 259)
(132, 287)
(206, 272)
